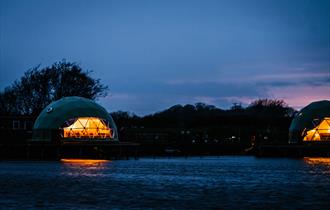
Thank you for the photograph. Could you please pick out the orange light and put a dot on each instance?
(88, 127)
(320, 132)
(315, 161)
(84, 161)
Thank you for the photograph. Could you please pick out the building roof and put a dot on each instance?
(56, 113)
(304, 119)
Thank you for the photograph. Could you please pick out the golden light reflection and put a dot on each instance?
(84, 162)
(317, 161)
(320, 133)
(88, 127)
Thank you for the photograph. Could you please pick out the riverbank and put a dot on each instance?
(127, 150)
(55, 151)
(308, 149)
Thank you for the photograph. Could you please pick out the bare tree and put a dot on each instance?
(271, 107)
(39, 87)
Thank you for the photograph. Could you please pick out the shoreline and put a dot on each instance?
(129, 150)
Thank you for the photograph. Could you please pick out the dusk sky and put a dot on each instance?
(155, 54)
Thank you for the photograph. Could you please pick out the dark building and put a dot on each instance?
(16, 129)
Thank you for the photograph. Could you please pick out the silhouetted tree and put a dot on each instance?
(39, 87)
(236, 107)
(125, 119)
(271, 108)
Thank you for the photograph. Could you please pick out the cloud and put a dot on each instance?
(300, 96)
(280, 79)
(297, 88)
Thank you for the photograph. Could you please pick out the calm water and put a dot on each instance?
(232, 182)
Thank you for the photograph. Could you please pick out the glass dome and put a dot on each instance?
(312, 123)
(74, 118)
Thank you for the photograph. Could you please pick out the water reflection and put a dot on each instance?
(84, 167)
(84, 162)
(317, 161)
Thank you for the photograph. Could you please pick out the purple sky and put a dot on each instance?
(154, 54)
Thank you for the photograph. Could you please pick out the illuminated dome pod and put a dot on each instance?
(311, 124)
(74, 119)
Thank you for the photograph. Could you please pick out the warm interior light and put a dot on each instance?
(320, 132)
(88, 127)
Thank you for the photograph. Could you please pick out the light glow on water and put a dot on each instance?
(317, 160)
(82, 162)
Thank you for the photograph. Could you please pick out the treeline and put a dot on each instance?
(262, 111)
(263, 121)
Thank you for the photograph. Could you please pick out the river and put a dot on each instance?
(225, 182)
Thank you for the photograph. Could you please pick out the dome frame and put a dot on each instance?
(308, 118)
(52, 117)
